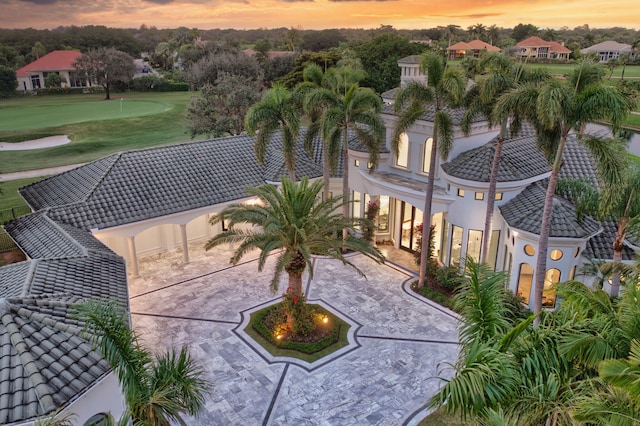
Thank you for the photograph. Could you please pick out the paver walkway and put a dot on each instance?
(403, 342)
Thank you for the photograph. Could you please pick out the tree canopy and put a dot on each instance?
(106, 66)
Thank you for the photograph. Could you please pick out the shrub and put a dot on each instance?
(449, 277)
(67, 90)
(152, 83)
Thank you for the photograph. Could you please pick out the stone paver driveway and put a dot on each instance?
(402, 342)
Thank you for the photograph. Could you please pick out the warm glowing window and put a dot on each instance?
(460, 192)
(551, 277)
(525, 279)
(456, 245)
(479, 196)
(498, 196)
(529, 250)
(555, 254)
(356, 163)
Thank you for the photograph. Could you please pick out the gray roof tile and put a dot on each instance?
(455, 113)
(40, 354)
(524, 212)
(520, 159)
(601, 245)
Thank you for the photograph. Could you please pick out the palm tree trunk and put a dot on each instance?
(545, 230)
(491, 195)
(326, 171)
(295, 270)
(426, 213)
(345, 179)
(618, 245)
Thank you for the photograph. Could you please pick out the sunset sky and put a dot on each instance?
(317, 14)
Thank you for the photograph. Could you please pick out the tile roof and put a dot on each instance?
(524, 212)
(138, 185)
(44, 363)
(474, 45)
(57, 60)
(608, 46)
(601, 245)
(520, 159)
(535, 41)
(455, 113)
(413, 59)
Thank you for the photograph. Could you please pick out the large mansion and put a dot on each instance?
(90, 226)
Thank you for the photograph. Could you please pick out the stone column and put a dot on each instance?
(185, 245)
(133, 258)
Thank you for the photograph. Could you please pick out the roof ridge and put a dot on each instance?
(33, 265)
(118, 156)
(74, 242)
(42, 390)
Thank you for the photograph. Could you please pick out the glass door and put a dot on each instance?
(411, 217)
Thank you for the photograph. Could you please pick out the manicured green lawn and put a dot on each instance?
(9, 197)
(30, 112)
(631, 71)
(633, 120)
(95, 139)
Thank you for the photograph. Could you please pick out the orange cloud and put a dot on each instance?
(317, 14)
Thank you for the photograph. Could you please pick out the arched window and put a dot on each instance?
(426, 158)
(525, 279)
(100, 419)
(551, 277)
(403, 151)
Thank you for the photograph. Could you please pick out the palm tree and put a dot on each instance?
(503, 76)
(277, 110)
(444, 88)
(292, 221)
(347, 109)
(555, 109)
(622, 207)
(157, 389)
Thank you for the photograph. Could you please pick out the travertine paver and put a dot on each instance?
(403, 344)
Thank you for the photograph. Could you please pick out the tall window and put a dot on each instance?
(445, 240)
(426, 158)
(492, 256)
(403, 151)
(356, 197)
(473, 244)
(456, 245)
(525, 278)
(551, 277)
(383, 215)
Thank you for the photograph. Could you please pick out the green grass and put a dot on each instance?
(23, 114)
(95, 139)
(9, 197)
(633, 120)
(308, 357)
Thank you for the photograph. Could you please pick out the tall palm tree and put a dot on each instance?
(347, 109)
(278, 109)
(157, 389)
(557, 108)
(503, 75)
(292, 221)
(444, 88)
(623, 207)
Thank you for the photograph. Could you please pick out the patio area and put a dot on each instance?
(402, 341)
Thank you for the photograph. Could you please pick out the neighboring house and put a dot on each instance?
(473, 48)
(88, 221)
(32, 76)
(535, 47)
(608, 50)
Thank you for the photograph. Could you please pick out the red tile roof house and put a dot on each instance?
(535, 47)
(32, 76)
(473, 47)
